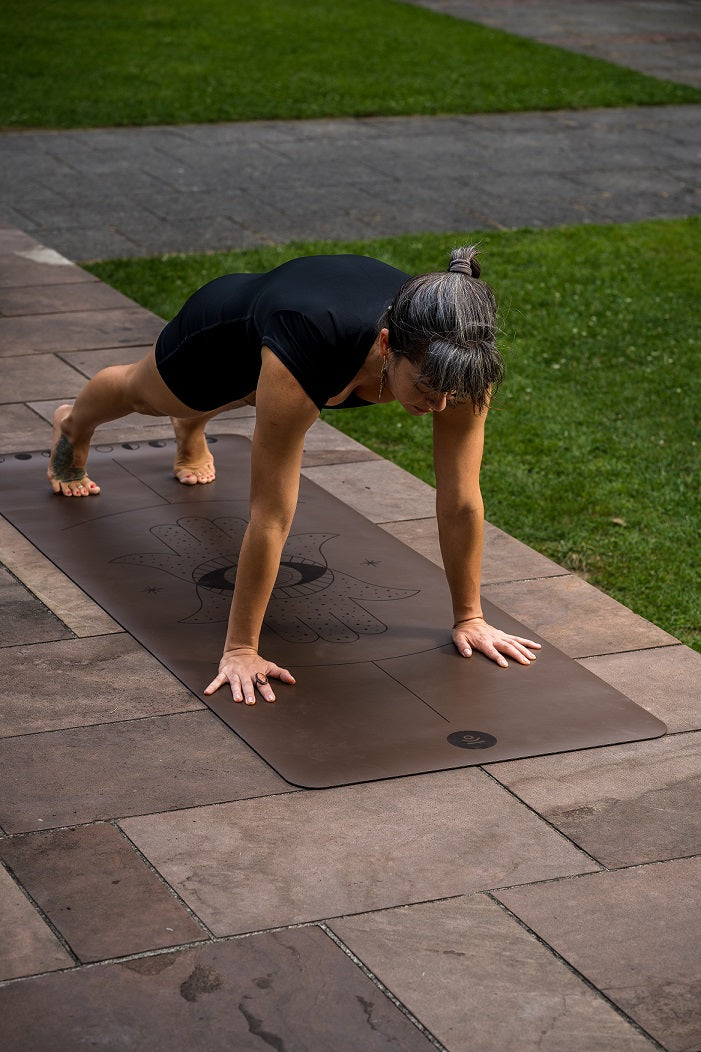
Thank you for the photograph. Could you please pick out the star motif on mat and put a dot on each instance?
(371, 562)
(152, 590)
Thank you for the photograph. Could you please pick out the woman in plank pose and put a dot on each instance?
(332, 331)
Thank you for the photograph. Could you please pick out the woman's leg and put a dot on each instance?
(110, 395)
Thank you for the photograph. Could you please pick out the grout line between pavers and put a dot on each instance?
(199, 944)
(406, 1012)
(542, 818)
(99, 723)
(575, 971)
(162, 880)
(322, 924)
(44, 916)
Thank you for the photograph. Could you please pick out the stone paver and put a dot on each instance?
(504, 558)
(281, 860)
(665, 681)
(624, 804)
(97, 892)
(380, 491)
(78, 682)
(129, 768)
(76, 330)
(291, 990)
(576, 617)
(71, 605)
(23, 619)
(479, 981)
(634, 935)
(25, 380)
(28, 945)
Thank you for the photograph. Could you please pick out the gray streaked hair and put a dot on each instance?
(445, 324)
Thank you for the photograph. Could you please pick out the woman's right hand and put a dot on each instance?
(247, 672)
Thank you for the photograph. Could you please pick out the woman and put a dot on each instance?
(320, 331)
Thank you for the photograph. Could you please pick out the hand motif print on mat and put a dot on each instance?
(310, 600)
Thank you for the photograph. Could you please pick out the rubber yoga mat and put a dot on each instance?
(359, 618)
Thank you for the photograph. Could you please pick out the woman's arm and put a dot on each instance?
(458, 443)
(284, 413)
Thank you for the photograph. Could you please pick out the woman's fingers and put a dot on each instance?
(247, 677)
(216, 683)
(495, 645)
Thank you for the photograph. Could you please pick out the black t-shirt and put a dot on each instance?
(318, 314)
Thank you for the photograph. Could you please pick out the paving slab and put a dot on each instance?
(28, 945)
(664, 681)
(21, 428)
(68, 602)
(293, 991)
(129, 768)
(76, 330)
(60, 299)
(477, 980)
(277, 861)
(634, 935)
(83, 682)
(98, 893)
(504, 558)
(36, 266)
(90, 361)
(380, 491)
(624, 804)
(26, 377)
(14, 240)
(577, 617)
(121, 430)
(23, 619)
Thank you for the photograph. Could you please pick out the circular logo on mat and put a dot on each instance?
(472, 739)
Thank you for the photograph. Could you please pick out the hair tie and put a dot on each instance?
(461, 266)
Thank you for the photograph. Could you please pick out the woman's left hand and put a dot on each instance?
(476, 634)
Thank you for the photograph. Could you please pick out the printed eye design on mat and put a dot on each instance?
(310, 600)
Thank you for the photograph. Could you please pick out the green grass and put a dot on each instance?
(83, 63)
(592, 452)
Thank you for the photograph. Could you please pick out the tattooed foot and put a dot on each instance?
(66, 471)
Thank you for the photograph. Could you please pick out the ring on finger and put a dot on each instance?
(261, 680)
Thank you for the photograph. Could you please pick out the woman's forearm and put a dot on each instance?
(259, 562)
(461, 535)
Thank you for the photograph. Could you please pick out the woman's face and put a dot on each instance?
(409, 391)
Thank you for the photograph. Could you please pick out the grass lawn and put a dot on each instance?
(83, 63)
(592, 452)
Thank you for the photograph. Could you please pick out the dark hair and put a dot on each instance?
(445, 323)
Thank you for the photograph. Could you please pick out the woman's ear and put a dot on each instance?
(384, 342)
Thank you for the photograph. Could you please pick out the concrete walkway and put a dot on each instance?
(160, 886)
(659, 37)
(142, 191)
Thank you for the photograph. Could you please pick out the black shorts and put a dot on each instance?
(210, 355)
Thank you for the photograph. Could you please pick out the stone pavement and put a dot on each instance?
(659, 37)
(163, 888)
(141, 191)
(160, 886)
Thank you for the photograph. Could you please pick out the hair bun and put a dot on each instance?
(464, 261)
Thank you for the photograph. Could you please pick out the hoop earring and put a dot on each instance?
(382, 379)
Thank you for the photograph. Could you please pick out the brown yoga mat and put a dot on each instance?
(359, 618)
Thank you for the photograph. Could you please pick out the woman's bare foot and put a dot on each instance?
(66, 471)
(193, 461)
